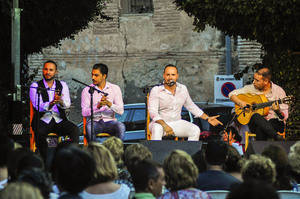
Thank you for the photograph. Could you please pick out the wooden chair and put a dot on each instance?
(248, 135)
(32, 138)
(148, 132)
(98, 135)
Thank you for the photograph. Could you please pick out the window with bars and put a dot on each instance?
(137, 6)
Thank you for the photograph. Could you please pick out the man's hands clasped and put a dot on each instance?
(104, 102)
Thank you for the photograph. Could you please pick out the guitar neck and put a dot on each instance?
(266, 104)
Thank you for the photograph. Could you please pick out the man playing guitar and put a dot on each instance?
(264, 126)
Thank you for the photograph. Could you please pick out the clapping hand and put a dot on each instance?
(104, 102)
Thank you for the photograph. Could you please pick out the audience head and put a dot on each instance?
(102, 68)
(38, 178)
(181, 171)
(294, 161)
(265, 72)
(135, 153)
(259, 167)
(115, 146)
(216, 152)
(6, 147)
(199, 160)
(279, 157)
(106, 169)
(20, 190)
(252, 189)
(233, 161)
(73, 169)
(148, 176)
(22, 159)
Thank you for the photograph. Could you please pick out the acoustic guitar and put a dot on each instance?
(258, 104)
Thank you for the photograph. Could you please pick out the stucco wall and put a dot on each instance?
(136, 48)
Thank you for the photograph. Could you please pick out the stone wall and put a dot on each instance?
(136, 47)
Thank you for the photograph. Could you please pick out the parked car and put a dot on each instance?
(134, 118)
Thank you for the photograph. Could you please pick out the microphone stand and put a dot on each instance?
(232, 120)
(91, 91)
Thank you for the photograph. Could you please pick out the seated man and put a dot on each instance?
(54, 100)
(165, 104)
(215, 178)
(104, 107)
(269, 125)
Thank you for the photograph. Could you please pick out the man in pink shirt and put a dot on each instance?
(104, 107)
(269, 125)
(165, 104)
(52, 102)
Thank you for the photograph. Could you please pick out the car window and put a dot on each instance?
(122, 118)
(139, 115)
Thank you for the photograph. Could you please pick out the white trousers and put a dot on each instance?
(181, 128)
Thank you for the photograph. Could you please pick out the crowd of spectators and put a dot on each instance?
(111, 170)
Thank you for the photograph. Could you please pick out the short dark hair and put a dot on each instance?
(199, 161)
(233, 160)
(170, 65)
(144, 171)
(216, 152)
(22, 159)
(52, 62)
(102, 68)
(73, 169)
(263, 71)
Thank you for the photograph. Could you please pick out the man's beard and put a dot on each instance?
(49, 78)
(171, 83)
(259, 88)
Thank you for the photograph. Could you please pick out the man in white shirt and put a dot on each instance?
(165, 104)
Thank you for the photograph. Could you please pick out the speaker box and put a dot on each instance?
(257, 147)
(160, 149)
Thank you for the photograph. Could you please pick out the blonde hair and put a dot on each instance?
(20, 190)
(181, 172)
(136, 152)
(115, 146)
(259, 167)
(106, 169)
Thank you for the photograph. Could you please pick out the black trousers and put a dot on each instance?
(265, 128)
(65, 127)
